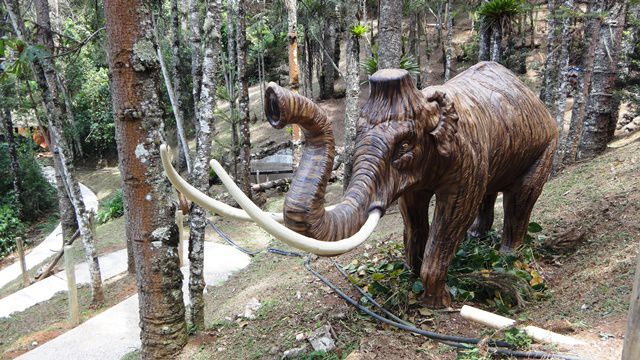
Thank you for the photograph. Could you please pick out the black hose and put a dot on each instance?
(231, 242)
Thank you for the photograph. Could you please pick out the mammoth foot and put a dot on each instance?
(436, 300)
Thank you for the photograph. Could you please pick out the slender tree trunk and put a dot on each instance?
(327, 84)
(15, 164)
(176, 74)
(149, 210)
(67, 213)
(200, 175)
(583, 86)
(390, 34)
(601, 105)
(418, 49)
(48, 83)
(196, 55)
(294, 72)
(563, 69)
(448, 57)
(631, 350)
(231, 84)
(424, 76)
(550, 78)
(310, 61)
(496, 41)
(353, 91)
(484, 36)
(69, 118)
(243, 100)
(177, 112)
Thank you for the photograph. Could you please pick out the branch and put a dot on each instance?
(79, 46)
(327, 54)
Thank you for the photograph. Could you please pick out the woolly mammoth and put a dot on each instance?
(481, 133)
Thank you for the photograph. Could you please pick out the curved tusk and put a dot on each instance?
(289, 236)
(202, 199)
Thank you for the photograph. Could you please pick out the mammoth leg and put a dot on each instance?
(453, 216)
(414, 207)
(484, 220)
(520, 198)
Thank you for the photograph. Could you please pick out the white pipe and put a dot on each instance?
(289, 236)
(202, 199)
(486, 318)
(500, 322)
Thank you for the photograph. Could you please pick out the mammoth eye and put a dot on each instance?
(404, 147)
(403, 154)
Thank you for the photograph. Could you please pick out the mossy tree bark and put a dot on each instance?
(149, 210)
(602, 107)
(243, 99)
(200, 173)
(353, 89)
(390, 34)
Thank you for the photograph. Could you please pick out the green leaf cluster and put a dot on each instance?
(113, 208)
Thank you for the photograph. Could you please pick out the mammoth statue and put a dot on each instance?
(481, 133)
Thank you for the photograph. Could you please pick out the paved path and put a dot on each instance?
(48, 247)
(115, 332)
(110, 265)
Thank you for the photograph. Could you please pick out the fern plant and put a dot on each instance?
(407, 62)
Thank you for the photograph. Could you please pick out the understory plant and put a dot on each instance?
(479, 272)
(113, 208)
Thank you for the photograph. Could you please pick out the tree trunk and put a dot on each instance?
(352, 92)
(390, 34)
(183, 157)
(496, 41)
(48, 82)
(310, 62)
(243, 100)
(563, 69)
(448, 57)
(631, 348)
(177, 112)
(550, 78)
(601, 105)
(329, 42)
(67, 213)
(231, 83)
(292, 22)
(484, 38)
(15, 164)
(591, 31)
(149, 211)
(196, 55)
(200, 175)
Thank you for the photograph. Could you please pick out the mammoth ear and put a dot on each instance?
(447, 126)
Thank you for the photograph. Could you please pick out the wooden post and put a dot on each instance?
(180, 222)
(631, 350)
(23, 263)
(69, 268)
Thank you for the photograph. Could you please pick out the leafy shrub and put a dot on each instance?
(359, 30)
(407, 62)
(10, 227)
(38, 196)
(113, 208)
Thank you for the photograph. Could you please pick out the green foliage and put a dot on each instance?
(496, 10)
(518, 338)
(386, 278)
(359, 30)
(472, 354)
(407, 62)
(113, 208)
(10, 227)
(480, 271)
(38, 196)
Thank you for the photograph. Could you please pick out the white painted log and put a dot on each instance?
(486, 318)
(500, 322)
(549, 337)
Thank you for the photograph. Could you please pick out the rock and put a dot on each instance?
(300, 337)
(273, 350)
(354, 355)
(338, 316)
(321, 339)
(292, 353)
(249, 310)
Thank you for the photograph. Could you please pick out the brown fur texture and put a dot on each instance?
(481, 133)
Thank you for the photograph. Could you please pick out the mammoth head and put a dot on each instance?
(399, 130)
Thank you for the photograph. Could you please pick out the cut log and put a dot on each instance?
(49, 270)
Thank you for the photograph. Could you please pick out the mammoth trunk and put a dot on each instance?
(304, 210)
